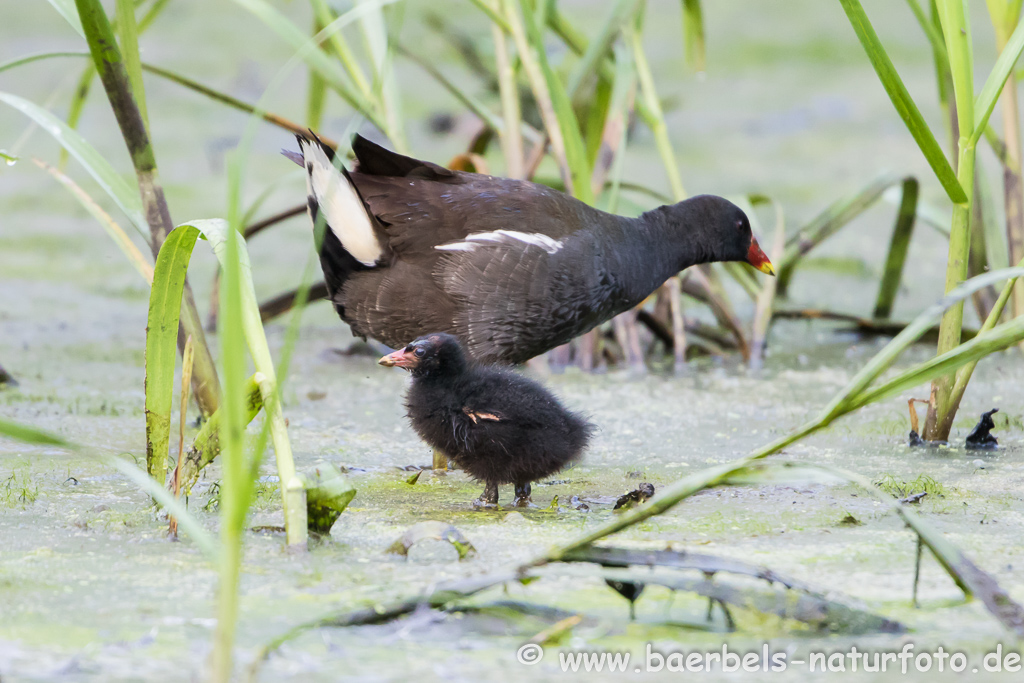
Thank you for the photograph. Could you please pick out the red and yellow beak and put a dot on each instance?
(757, 258)
(399, 359)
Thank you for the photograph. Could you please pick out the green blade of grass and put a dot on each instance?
(902, 101)
(693, 34)
(117, 188)
(884, 359)
(381, 51)
(128, 36)
(116, 233)
(219, 235)
(309, 51)
(202, 538)
(29, 434)
(70, 14)
(224, 98)
(206, 444)
(161, 344)
(656, 120)
(968, 577)
(316, 93)
(615, 134)
(341, 48)
(898, 246)
(965, 355)
(829, 222)
(552, 99)
(28, 59)
(600, 47)
(989, 95)
(236, 487)
(77, 105)
(468, 100)
(956, 32)
(511, 110)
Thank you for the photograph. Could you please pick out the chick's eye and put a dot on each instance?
(419, 351)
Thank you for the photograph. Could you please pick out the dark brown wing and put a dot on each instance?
(423, 205)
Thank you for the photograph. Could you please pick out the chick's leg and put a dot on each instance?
(489, 498)
(523, 496)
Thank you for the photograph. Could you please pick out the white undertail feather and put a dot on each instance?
(341, 206)
(503, 237)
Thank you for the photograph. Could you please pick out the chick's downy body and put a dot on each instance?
(501, 427)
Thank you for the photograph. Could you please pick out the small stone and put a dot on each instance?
(433, 551)
(980, 464)
(515, 518)
(102, 507)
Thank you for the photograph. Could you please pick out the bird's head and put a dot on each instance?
(436, 353)
(721, 230)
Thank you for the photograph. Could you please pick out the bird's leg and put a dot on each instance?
(523, 496)
(489, 498)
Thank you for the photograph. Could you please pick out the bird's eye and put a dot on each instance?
(419, 351)
(739, 225)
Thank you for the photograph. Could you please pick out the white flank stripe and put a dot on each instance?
(456, 246)
(503, 237)
(343, 210)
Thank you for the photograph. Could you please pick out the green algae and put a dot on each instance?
(91, 561)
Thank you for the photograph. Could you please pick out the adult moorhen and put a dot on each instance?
(510, 267)
(499, 426)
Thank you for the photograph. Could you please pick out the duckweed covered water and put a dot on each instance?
(91, 589)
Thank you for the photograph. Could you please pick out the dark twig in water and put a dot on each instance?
(980, 438)
(866, 326)
(283, 303)
(641, 494)
(917, 568)
(262, 225)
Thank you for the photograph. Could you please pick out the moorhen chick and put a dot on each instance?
(510, 267)
(499, 426)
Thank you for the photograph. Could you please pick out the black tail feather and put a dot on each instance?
(376, 160)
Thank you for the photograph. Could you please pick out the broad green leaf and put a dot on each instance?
(902, 101)
(161, 343)
(124, 194)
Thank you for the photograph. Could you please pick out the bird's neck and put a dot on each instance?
(652, 250)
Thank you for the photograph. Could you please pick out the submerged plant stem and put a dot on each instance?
(940, 409)
(113, 74)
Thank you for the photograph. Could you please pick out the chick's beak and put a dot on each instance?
(399, 359)
(757, 258)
